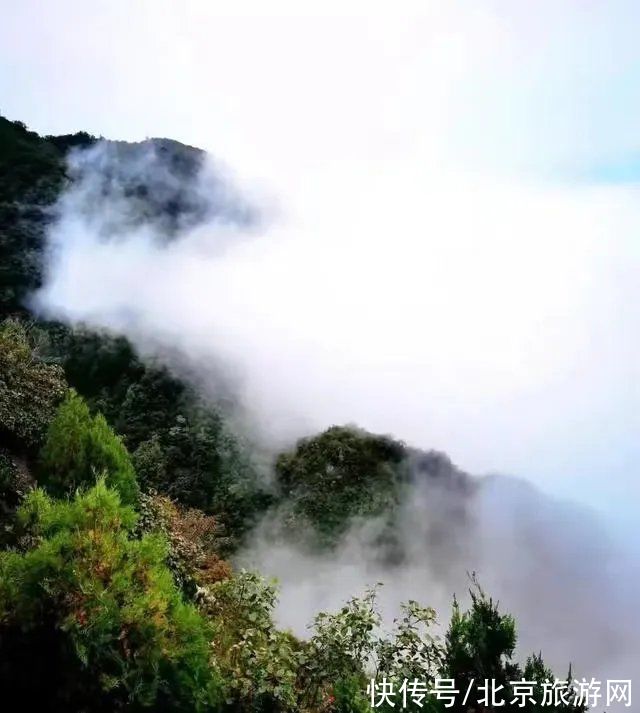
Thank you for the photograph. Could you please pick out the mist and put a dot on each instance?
(484, 319)
(446, 250)
(395, 238)
(548, 562)
(465, 338)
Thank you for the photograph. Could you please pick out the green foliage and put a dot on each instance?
(8, 473)
(536, 670)
(9, 495)
(28, 163)
(151, 464)
(30, 389)
(412, 652)
(102, 368)
(348, 696)
(66, 142)
(109, 604)
(199, 463)
(267, 669)
(194, 541)
(92, 610)
(189, 459)
(480, 646)
(31, 173)
(259, 662)
(343, 641)
(340, 474)
(481, 641)
(180, 446)
(15, 483)
(349, 646)
(79, 447)
(150, 405)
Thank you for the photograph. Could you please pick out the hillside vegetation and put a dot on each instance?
(123, 494)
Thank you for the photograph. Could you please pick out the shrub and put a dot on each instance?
(30, 389)
(104, 606)
(194, 541)
(79, 447)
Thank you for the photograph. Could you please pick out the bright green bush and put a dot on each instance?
(79, 447)
(109, 603)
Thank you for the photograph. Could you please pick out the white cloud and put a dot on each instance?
(490, 320)
(426, 272)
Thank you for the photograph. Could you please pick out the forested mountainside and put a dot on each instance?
(124, 494)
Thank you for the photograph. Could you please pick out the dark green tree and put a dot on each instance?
(480, 645)
(341, 473)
